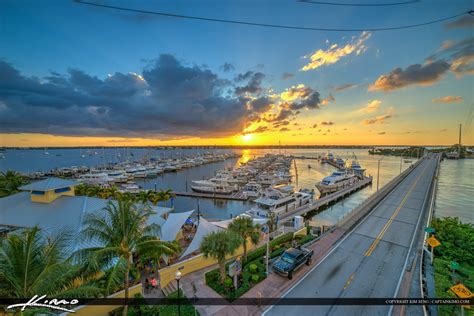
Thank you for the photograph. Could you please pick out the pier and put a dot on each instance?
(325, 200)
(238, 196)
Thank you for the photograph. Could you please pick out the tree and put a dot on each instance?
(10, 182)
(92, 191)
(144, 196)
(244, 227)
(219, 245)
(32, 263)
(122, 231)
(165, 195)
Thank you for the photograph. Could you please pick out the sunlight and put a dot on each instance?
(247, 137)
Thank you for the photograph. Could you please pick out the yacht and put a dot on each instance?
(118, 176)
(336, 181)
(278, 202)
(340, 162)
(206, 186)
(96, 178)
(129, 187)
(357, 169)
(252, 190)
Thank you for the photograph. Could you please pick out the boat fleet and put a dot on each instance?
(250, 177)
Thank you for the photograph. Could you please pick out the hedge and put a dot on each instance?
(261, 251)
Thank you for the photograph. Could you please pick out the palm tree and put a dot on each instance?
(10, 181)
(272, 222)
(165, 195)
(122, 231)
(92, 190)
(144, 196)
(245, 228)
(80, 189)
(32, 263)
(219, 245)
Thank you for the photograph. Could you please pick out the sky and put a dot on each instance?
(77, 75)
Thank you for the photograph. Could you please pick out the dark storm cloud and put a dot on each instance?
(261, 104)
(416, 74)
(463, 22)
(253, 85)
(169, 98)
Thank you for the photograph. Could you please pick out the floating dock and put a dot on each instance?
(324, 201)
(238, 196)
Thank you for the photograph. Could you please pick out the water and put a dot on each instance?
(453, 199)
(456, 190)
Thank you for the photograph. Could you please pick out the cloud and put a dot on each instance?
(372, 106)
(454, 56)
(381, 133)
(448, 99)
(377, 120)
(345, 87)
(327, 100)
(281, 123)
(284, 129)
(413, 75)
(260, 129)
(327, 123)
(335, 53)
(465, 21)
(167, 99)
(314, 126)
(253, 85)
(226, 67)
(287, 75)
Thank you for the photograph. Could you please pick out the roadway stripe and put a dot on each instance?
(389, 222)
(349, 281)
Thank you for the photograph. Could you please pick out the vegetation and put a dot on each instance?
(219, 245)
(10, 181)
(412, 151)
(247, 231)
(144, 197)
(253, 269)
(123, 234)
(33, 263)
(457, 244)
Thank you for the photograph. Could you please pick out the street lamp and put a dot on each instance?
(378, 171)
(178, 276)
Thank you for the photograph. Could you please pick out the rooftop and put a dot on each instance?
(49, 184)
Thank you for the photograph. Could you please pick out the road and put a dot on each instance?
(369, 261)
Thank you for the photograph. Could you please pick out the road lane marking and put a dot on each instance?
(374, 244)
(349, 281)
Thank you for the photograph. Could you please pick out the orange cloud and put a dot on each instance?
(448, 99)
(372, 106)
(335, 53)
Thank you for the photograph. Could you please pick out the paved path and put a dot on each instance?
(369, 261)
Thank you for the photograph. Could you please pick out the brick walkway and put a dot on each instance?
(273, 286)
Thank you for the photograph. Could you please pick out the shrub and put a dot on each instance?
(228, 282)
(253, 267)
(255, 278)
(305, 239)
(277, 253)
(276, 247)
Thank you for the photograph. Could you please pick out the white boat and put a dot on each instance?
(336, 181)
(129, 187)
(96, 178)
(278, 202)
(357, 169)
(118, 176)
(252, 190)
(210, 187)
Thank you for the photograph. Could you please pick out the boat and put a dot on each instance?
(356, 168)
(252, 190)
(212, 187)
(96, 178)
(336, 181)
(275, 201)
(129, 187)
(118, 176)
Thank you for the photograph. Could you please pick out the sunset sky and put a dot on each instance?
(76, 75)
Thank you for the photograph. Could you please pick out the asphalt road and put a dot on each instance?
(370, 260)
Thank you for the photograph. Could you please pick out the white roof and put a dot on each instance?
(203, 229)
(173, 224)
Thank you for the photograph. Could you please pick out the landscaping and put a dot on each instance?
(457, 244)
(253, 268)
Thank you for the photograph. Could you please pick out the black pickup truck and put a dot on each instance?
(291, 260)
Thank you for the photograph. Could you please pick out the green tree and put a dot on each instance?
(219, 245)
(144, 196)
(32, 263)
(92, 191)
(457, 239)
(244, 227)
(122, 231)
(10, 182)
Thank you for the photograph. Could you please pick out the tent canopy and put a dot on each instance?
(203, 229)
(173, 224)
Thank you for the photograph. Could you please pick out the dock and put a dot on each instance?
(325, 200)
(238, 196)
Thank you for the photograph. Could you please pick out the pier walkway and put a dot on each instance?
(375, 252)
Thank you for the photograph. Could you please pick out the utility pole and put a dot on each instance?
(378, 172)
(459, 146)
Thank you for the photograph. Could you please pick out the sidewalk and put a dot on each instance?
(273, 286)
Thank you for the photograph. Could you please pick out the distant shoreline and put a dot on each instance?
(231, 147)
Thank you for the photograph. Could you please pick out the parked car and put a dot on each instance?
(291, 260)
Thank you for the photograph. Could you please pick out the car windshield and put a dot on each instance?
(287, 258)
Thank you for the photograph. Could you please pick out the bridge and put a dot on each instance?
(376, 257)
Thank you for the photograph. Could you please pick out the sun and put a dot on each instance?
(247, 137)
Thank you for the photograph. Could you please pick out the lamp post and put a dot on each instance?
(178, 276)
(378, 171)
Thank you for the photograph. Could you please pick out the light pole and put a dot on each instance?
(178, 276)
(378, 172)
